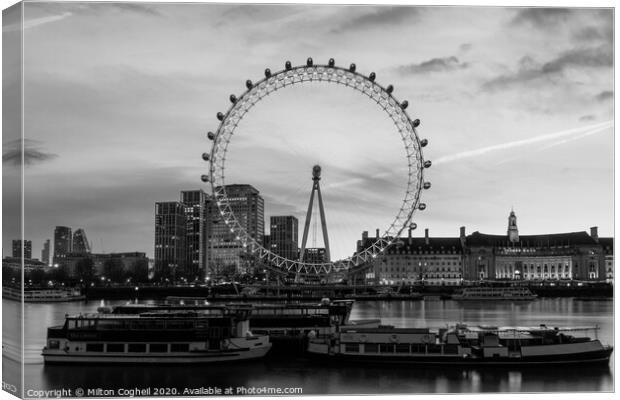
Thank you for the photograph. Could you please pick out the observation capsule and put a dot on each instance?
(331, 62)
(211, 135)
(389, 89)
(267, 73)
(427, 185)
(422, 206)
(372, 76)
(287, 65)
(233, 98)
(220, 116)
(423, 142)
(413, 226)
(309, 62)
(427, 164)
(404, 104)
(352, 67)
(416, 123)
(205, 156)
(205, 178)
(249, 84)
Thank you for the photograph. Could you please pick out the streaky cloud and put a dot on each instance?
(444, 64)
(590, 129)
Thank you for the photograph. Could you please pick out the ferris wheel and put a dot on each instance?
(307, 74)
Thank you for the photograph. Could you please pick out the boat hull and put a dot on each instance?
(61, 357)
(594, 357)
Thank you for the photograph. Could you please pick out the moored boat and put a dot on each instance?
(463, 345)
(31, 295)
(156, 337)
(513, 293)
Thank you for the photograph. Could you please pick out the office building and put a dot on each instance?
(17, 249)
(226, 252)
(45, 253)
(80, 242)
(62, 244)
(284, 236)
(169, 240)
(195, 210)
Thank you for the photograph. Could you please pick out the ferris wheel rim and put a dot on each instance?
(331, 74)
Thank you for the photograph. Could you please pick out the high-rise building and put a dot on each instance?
(226, 252)
(17, 248)
(45, 253)
(62, 244)
(80, 242)
(284, 236)
(169, 239)
(195, 210)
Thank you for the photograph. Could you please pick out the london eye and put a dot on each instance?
(307, 74)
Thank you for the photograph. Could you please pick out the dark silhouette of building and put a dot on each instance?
(284, 236)
(169, 239)
(17, 248)
(226, 251)
(315, 255)
(195, 209)
(45, 253)
(62, 244)
(80, 242)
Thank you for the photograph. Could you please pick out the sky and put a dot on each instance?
(517, 105)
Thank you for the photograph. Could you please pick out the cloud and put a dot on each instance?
(579, 132)
(601, 56)
(542, 17)
(434, 65)
(587, 118)
(13, 153)
(31, 23)
(529, 69)
(379, 16)
(465, 47)
(604, 95)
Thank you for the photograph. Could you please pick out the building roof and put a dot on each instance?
(436, 244)
(548, 240)
(607, 243)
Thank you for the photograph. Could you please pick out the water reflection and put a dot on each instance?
(326, 378)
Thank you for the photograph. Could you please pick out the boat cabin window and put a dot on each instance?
(371, 348)
(402, 348)
(179, 347)
(53, 344)
(158, 347)
(434, 348)
(180, 324)
(386, 348)
(417, 348)
(352, 347)
(94, 347)
(111, 324)
(115, 348)
(136, 347)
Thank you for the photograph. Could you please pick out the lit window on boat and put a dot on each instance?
(352, 347)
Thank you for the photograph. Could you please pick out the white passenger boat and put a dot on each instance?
(42, 295)
(463, 345)
(159, 337)
(513, 293)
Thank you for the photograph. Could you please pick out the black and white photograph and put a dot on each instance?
(242, 199)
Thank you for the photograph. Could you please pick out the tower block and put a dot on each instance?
(316, 188)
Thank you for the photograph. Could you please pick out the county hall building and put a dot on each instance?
(479, 256)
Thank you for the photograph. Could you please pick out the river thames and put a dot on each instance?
(324, 378)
